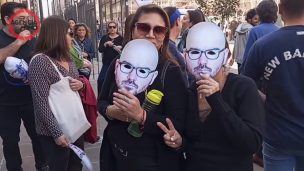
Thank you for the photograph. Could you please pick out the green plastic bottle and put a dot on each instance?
(152, 100)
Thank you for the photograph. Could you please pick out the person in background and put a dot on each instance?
(53, 50)
(232, 27)
(241, 36)
(110, 46)
(175, 30)
(98, 30)
(127, 31)
(72, 22)
(278, 59)
(82, 36)
(16, 102)
(83, 65)
(191, 18)
(268, 13)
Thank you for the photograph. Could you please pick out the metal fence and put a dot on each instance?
(85, 12)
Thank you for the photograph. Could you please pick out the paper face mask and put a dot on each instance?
(135, 70)
(205, 52)
(16, 71)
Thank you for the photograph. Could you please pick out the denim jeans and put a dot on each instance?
(278, 161)
(10, 121)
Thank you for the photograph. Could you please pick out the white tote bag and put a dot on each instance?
(67, 108)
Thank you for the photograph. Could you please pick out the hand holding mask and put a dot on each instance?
(136, 68)
(205, 52)
(134, 72)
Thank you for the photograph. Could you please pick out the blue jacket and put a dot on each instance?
(256, 33)
(87, 46)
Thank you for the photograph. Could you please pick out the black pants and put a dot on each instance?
(10, 121)
(114, 158)
(61, 158)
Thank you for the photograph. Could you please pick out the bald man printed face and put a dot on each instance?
(136, 68)
(205, 50)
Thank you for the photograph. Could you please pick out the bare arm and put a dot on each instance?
(13, 48)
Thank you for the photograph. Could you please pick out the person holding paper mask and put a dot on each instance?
(120, 150)
(224, 124)
(136, 79)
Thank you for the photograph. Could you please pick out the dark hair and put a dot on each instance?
(293, 8)
(195, 16)
(88, 32)
(148, 9)
(7, 9)
(203, 16)
(52, 39)
(72, 20)
(170, 11)
(267, 11)
(127, 30)
(112, 22)
(250, 14)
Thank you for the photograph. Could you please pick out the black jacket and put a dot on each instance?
(232, 132)
(151, 144)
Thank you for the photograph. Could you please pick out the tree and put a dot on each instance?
(222, 8)
(226, 8)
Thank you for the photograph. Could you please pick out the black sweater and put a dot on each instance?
(109, 53)
(173, 106)
(231, 133)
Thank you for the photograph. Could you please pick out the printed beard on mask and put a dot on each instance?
(135, 70)
(205, 52)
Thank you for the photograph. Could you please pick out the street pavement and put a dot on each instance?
(92, 150)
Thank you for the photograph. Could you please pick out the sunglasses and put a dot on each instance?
(158, 31)
(112, 27)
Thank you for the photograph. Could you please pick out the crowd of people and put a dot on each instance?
(206, 118)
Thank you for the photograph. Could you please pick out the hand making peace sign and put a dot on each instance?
(172, 138)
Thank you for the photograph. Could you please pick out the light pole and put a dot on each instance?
(76, 9)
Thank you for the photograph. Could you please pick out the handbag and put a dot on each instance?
(67, 108)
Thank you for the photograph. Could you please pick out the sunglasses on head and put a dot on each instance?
(158, 31)
(112, 27)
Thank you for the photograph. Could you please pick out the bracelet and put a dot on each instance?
(107, 114)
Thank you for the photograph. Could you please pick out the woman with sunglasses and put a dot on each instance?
(121, 151)
(110, 46)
